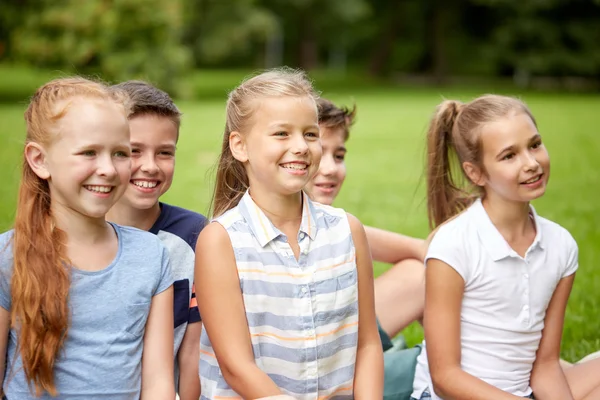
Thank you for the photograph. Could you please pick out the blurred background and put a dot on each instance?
(396, 60)
(540, 44)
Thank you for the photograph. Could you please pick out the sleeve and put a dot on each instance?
(194, 311)
(448, 245)
(572, 258)
(6, 266)
(166, 276)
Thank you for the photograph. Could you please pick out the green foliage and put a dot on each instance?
(121, 39)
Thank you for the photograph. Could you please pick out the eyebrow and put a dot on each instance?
(511, 147)
(141, 144)
(288, 126)
(342, 148)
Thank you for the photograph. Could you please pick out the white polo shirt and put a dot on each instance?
(505, 297)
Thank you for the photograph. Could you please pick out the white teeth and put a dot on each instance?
(145, 184)
(99, 189)
(537, 178)
(294, 166)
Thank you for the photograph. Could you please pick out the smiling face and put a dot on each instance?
(281, 151)
(153, 143)
(88, 163)
(326, 184)
(516, 162)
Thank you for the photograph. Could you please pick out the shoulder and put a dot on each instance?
(553, 232)
(137, 240)
(460, 227)
(229, 218)
(214, 239)
(6, 250)
(181, 222)
(325, 210)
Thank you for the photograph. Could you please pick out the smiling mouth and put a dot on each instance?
(295, 166)
(99, 188)
(145, 184)
(532, 180)
(326, 185)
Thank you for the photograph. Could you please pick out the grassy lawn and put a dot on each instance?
(385, 185)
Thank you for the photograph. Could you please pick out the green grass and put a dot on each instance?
(385, 167)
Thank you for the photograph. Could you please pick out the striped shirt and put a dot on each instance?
(302, 313)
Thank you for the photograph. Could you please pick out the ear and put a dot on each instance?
(474, 173)
(36, 158)
(237, 144)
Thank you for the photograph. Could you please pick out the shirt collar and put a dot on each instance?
(492, 240)
(262, 227)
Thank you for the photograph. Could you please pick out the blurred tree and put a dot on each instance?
(227, 32)
(119, 39)
(546, 38)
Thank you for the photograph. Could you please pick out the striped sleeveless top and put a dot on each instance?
(302, 314)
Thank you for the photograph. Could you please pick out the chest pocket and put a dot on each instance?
(181, 301)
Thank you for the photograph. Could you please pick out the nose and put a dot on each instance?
(530, 163)
(327, 166)
(106, 167)
(148, 164)
(299, 145)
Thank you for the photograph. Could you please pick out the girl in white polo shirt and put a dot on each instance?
(498, 275)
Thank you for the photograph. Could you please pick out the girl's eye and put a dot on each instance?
(312, 134)
(122, 154)
(508, 156)
(340, 157)
(135, 151)
(166, 153)
(536, 145)
(281, 133)
(89, 153)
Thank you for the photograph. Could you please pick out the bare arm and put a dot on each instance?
(390, 247)
(157, 357)
(368, 373)
(188, 358)
(224, 317)
(4, 329)
(547, 378)
(444, 290)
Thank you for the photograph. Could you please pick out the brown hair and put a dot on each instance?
(454, 137)
(40, 281)
(333, 117)
(149, 100)
(232, 181)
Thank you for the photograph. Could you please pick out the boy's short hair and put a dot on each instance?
(332, 116)
(149, 100)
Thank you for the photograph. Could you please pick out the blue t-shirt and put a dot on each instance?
(178, 229)
(102, 354)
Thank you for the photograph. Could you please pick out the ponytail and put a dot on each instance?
(231, 183)
(445, 198)
(40, 283)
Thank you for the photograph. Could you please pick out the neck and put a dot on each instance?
(123, 214)
(282, 210)
(80, 228)
(511, 218)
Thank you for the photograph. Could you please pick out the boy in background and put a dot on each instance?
(154, 126)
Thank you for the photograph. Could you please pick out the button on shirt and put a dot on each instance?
(505, 295)
(302, 313)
